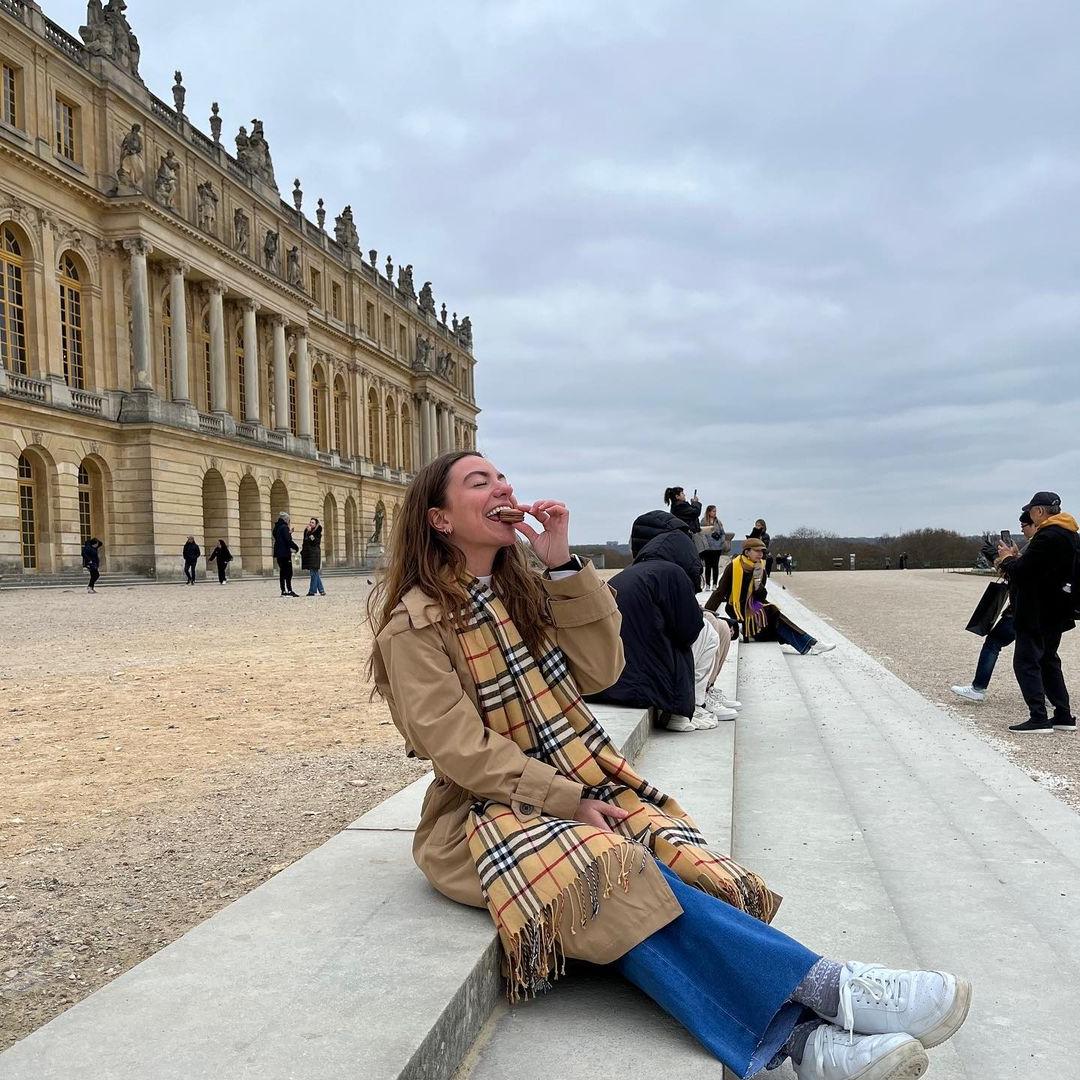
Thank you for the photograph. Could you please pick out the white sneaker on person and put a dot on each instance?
(718, 697)
(719, 712)
(703, 719)
(927, 1005)
(680, 723)
(819, 647)
(831, 1054)
(969, 693)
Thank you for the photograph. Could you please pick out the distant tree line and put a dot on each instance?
(813, 549)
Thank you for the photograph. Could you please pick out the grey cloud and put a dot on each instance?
(818, 260)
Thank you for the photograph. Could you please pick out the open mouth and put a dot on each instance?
(506, 514)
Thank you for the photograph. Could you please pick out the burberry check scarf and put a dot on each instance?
(532, 871)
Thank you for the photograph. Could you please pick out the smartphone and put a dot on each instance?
(1006, 536)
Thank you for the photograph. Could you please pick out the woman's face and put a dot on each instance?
(475, 488)
(680, 495)
(312, 523)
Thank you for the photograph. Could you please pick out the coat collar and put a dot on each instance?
(423, 610)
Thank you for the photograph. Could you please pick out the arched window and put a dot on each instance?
(391, 434)
(406, 438)
(71, 326)
(166, 343)
(12, 314)
(292, 394)
(373, 425)
(318, 401)
(341, 435)
(241, 395)
(208, 374)
(27, 524)
(85, 508)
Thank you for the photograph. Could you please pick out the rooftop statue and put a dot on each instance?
(405, 281)
(345, 230)
(427, 299)
(108, 34)
(253, 153)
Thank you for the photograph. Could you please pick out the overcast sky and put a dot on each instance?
(818, 260)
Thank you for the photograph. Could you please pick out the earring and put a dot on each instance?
(449, 530)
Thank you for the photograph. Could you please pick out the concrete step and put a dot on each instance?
(347, 964)
(976, 888)
(795, 825)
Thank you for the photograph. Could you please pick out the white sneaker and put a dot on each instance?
(703, 719)
(927, 1005)
(718, 697)
(680, 723)
(720, 712)
(819, 647)
(831, 1055)
(969, 693)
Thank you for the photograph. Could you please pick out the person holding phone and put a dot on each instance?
(1001, 636)
(686, 510)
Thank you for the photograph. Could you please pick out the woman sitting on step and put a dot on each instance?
(743, 593)
(534, 814)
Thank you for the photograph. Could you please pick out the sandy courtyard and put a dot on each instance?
(913, 622)
(165, 750)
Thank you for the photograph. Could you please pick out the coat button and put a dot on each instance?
(528, 808)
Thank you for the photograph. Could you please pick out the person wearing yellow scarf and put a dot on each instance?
(1044, 581)
(744, 596)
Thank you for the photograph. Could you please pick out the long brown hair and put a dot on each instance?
(419, 556)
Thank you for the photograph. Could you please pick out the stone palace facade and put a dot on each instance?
(181, 350)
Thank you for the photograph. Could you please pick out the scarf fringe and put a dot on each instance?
(535, 956)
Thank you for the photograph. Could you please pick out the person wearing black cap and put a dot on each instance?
(1001, 636)
(1041, 584)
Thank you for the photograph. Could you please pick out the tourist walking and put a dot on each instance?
(717, 545)
(535, 815)
(311, 556)
(1002, 635)
(91, 560)
(222, 556)
(192, 551)
(1043, 582)
(284, 546)
(747, 603)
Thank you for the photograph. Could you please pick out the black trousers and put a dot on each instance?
(221, 568)
(189, 571)
(95, 573)
(1038, 671)
(285, 575)
(710, 560)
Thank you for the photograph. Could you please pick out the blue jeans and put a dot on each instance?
(1002, 635)
(315, 584)
(724, 975)
(790, 634)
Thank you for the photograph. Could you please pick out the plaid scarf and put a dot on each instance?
(532, 871)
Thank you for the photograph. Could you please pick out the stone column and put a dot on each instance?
(251, 362)
(303, 386)
(424, 423)
(219, 384)
(433, 429)
(181, 390)
(138, 249)
(281, 376)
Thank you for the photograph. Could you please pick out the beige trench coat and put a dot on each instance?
(421, 671)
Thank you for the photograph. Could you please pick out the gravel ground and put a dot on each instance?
(165, 750)
(913, 622)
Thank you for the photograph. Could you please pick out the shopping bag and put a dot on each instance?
(989, 608)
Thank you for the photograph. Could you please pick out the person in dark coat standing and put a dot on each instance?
(192, 551)
(688, 511)
(669, 646)
(222, 556)
(91, 560)
(1041, 584)
(760, 531)
(284, 546)
(311, 556)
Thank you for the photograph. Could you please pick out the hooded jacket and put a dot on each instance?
(284, 545)
(1041, 579)
(660, 617)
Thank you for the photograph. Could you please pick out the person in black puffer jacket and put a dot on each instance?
(671, 649)
(311, 557)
